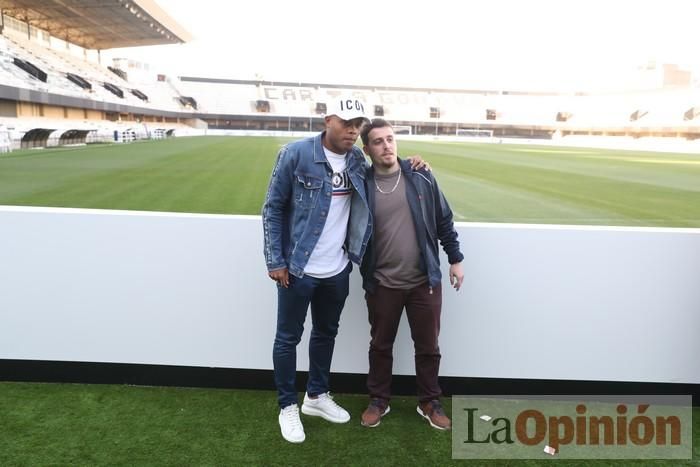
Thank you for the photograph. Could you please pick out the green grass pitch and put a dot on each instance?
(483, 182)
(95, 425)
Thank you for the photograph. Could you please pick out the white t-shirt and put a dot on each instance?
(328, 257)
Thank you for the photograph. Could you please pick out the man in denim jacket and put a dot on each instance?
(316, 221)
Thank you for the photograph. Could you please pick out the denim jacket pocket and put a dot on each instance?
(306, 189)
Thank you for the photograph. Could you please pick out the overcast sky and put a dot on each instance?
(536, 44)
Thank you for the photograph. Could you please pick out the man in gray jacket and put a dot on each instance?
(401, 269)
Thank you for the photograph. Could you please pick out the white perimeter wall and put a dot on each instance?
(544, 302)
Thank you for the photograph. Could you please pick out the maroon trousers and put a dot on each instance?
(423, 312)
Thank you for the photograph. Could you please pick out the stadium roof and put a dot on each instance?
(100, 24)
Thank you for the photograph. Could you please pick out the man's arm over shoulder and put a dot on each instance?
(275, 211)
(361, 159)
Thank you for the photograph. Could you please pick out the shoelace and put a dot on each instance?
(378, 403)
(436, 408)
(327, 396)
(292, 416)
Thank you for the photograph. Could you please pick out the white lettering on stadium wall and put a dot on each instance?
(288, 94)
(372, 97)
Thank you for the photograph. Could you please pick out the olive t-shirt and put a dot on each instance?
(397, 251)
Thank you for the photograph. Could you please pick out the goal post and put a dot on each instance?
(474, 133)
(403, 129)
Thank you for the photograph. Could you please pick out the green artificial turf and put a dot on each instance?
(549, 185)
(89, 425)
(204, 175)
(483, 182)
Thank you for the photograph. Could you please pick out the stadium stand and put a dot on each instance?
(57, 92)
(96, 83)
(245, 105)
(54, 92)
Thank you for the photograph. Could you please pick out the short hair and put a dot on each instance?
(375, 123)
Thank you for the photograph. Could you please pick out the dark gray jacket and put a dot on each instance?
(432, 218)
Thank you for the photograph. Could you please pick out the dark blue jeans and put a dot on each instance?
(327, 298)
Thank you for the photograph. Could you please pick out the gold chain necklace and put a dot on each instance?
(392, 190)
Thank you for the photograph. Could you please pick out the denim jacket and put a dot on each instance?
(297, 203)
(432, 218)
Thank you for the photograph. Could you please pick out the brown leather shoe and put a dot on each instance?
(432, 411)
(372, 416)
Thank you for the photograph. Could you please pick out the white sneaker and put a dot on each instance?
(290, 424)
(324, 406)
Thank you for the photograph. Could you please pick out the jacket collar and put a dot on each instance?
(405, 165)
(319, 155)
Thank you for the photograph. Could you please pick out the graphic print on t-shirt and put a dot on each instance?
(328, 257)
(341, 184)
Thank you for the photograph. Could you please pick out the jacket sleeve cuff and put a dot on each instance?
(456, 258)
(275, 267)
